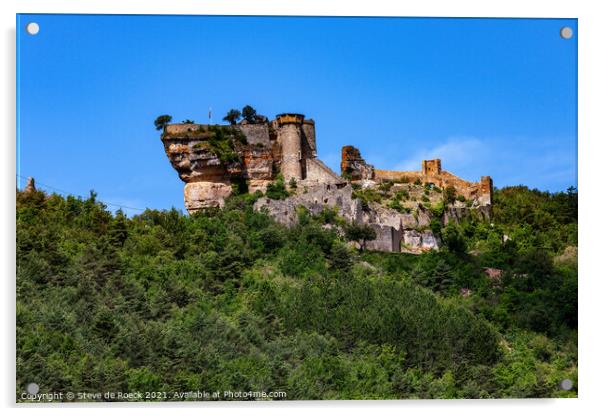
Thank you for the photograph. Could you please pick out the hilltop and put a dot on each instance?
(278, 161)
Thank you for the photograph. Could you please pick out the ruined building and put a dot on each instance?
(355, 168)
(214, 161)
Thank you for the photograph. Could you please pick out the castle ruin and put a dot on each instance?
(286, 145)
(215, 160)
(355, 168)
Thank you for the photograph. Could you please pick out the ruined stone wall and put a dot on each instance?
(470, 190)
(256, 134)
(352, 162)
(318, 172)
(308, 144)
(183, 129)
(398, 176)
(353, 166)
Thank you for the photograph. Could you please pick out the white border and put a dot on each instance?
(590, 68)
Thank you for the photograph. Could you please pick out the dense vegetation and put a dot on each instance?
(230, 300)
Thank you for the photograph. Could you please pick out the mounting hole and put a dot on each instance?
(566, 384)
(566, 32)
(32, 28)
(32, 388)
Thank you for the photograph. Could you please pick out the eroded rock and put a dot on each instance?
(199, 195)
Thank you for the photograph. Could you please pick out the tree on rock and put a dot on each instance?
(359, 233)
(449, 195)
(249, 114)
(162, 121)
(232, 117)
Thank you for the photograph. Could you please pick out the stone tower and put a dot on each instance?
(289, 134)
(431, 167)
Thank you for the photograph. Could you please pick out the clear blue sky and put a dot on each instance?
(491, 97)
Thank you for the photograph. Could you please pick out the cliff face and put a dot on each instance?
(210, 159)
(353, 166)
(214, 160)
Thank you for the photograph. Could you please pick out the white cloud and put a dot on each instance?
(545, 163)
(455, 153)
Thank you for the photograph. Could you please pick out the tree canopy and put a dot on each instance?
(232, 117)
(162, 121)
(229, 299)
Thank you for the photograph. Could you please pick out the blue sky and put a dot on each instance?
(491, 97)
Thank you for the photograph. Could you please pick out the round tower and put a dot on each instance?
(289, 133)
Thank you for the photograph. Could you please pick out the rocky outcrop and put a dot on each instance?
(456, 214)
(353, 166)
(211, 159)
(199, 195)
(31, 185)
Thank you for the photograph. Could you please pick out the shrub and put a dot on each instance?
(340, 258)
(449, 195)
(385, 186)
(438, 209)
(223, 141)
(249, 114)
(453, 239)
(232, 117)
(277, 189)
(359, 233)
(292, 183)
(228, 298)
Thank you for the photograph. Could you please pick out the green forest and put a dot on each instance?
(229, 300)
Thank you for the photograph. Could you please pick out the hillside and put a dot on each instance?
(229, 299)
